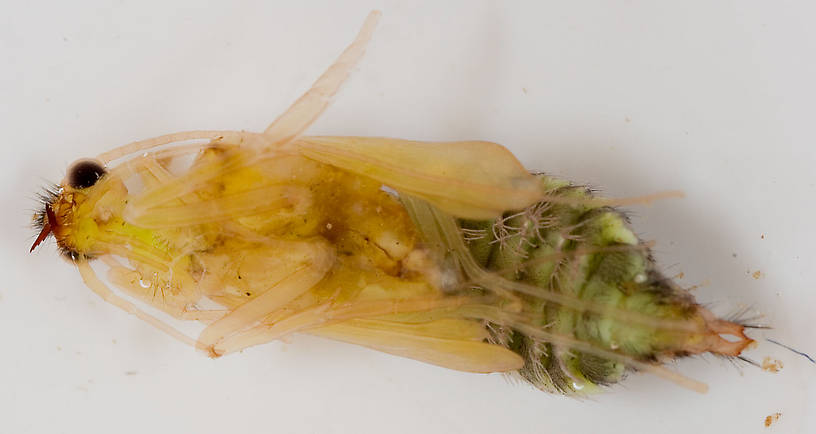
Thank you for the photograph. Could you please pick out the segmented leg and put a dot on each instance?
(276, 296)
(311, 105)
(448, 342)
(237, 137)
(279, 324)
(428, 343)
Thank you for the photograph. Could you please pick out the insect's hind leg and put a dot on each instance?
(286, 321)
(452, 343)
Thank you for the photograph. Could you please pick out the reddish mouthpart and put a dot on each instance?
(46, 227)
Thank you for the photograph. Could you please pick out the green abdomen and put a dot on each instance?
(588, 252)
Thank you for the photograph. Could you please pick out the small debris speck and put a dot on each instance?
(772, 418)
(131, 373)
(771, 365)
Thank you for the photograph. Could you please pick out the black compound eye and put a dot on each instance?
(85, 173)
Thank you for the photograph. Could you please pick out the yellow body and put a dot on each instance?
(281, 243)
(260, 235)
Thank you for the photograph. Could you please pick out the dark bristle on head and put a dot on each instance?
(85, 173)
(45, 198)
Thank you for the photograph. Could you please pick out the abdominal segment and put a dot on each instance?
(586, 252)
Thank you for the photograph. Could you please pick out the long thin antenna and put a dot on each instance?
(791, 349)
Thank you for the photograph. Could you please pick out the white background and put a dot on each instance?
(714, 98)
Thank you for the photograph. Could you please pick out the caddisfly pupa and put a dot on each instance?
(451, 253)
